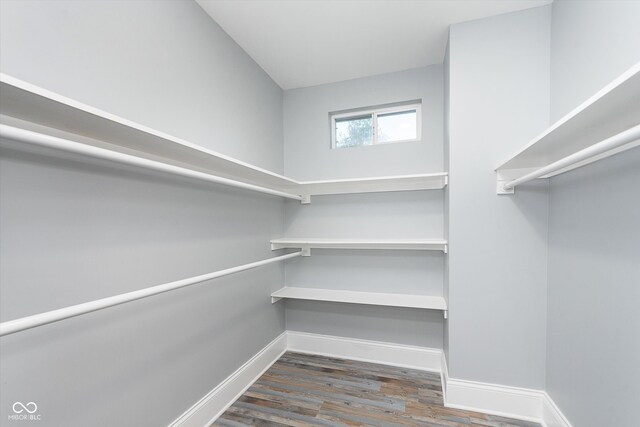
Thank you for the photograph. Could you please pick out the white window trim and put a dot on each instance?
(397, 108)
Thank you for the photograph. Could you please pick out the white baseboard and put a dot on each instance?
(224, 394)
(513, 402)
(444, 375)
(551, 414)
(405, 356)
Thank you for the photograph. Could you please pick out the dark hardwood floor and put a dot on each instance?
(306, 390)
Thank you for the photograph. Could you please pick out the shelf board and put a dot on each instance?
(613, 109)
(355, 297)
(33, 108)
(435, 181)
(394, 244)
(32, 104)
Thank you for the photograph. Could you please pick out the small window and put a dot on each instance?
(377, 125)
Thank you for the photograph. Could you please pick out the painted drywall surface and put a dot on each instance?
(386, 324)
(592, 43)
(593, 322)
(375, 215)
(74, 230)
(499, 99)
(164, 64)
(402, 215)
(308, 154)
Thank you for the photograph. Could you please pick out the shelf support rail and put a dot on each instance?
(49, 141)
(601, 147)
(28, 322)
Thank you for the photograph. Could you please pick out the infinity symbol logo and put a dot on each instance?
(21, 407)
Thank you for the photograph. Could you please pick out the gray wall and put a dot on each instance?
(164, 64)
(382, 215)
(499, 99)
(592, 42)
(74, 230)
(593, 321)
(307, 139)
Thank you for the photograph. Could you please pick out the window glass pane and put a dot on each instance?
(354, 131)
(397, 126)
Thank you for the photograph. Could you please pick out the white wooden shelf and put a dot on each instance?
(609, 112)
(32, 108)
(26, 102)
(306, 244)
(356, 297)
(434, 181)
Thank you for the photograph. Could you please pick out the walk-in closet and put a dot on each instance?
(419, 213)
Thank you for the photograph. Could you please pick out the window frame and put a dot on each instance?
(374, 112)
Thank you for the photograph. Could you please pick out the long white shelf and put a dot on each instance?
(434, 181)
(33, 104)
(306, 244)
(35, 109)
(611, 111)
(356, 297)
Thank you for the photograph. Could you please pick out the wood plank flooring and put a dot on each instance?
(307, 390)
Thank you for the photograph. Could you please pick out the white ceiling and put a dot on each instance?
(306, 43)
